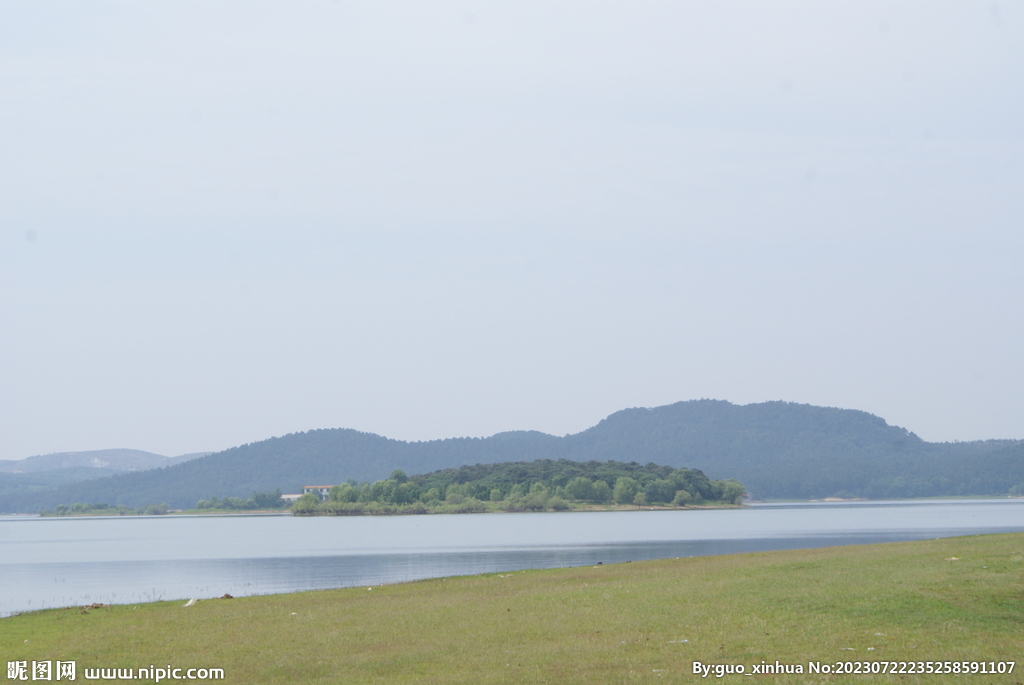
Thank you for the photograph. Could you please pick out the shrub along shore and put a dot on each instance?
(948, 600)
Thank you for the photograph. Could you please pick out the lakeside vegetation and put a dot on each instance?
(948, 599)
(82, 509)
(260, 501)
(541, 485)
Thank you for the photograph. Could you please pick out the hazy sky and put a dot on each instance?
(223, 221)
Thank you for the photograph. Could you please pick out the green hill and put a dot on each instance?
(799, 451)
(776, 449)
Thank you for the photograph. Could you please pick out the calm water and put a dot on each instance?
(60, 562)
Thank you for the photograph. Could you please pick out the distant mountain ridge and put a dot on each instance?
(114, 459)
(777, 449)
(23, 479)
(117, 459)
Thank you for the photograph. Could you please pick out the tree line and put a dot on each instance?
(541, 485)
(83, 509)
(259, 500)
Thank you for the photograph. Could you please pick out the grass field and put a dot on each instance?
(956, 599)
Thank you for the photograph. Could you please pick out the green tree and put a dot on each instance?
(732, 491)
(379, 491)
(682, 498)
(602, 492)
(406, 493)
(268, 500)
(346, 492)
(580, 488)
(625, 490)
(558, 504)
(537, 498)
(660, 491)
(307, 504)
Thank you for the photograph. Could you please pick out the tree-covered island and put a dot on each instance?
(542, 485)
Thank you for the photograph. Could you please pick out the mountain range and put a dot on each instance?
(21, 479)
(778, 450)
(112, 460)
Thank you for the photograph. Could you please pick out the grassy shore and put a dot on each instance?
(939, 600)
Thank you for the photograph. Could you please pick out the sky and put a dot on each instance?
(226, 221)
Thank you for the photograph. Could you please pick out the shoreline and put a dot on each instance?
(578, 508)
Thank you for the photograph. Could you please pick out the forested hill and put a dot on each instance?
(316, 457)
(776, 449)
(787, 450)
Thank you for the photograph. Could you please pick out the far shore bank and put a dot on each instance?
(452, 510)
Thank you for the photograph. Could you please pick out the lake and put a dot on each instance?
(55, 562)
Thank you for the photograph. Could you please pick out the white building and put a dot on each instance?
(321, 491)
